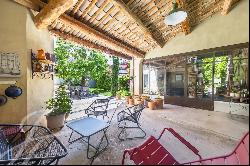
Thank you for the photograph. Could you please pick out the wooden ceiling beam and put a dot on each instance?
(86, 30)
(88, 44)
(103, 5)
(106, 15)
(77, 6)
(98, 36)
(128, 12)
(91, 5)
(29, 4)
(226, 7)
(185, 24)
(51, 12)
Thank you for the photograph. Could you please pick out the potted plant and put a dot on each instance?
(143, 97)
(151, 105)
(237, 95)
(146, 100)
(127, 95)
(233, 92)
(60, 105)
(131, 101)
(139, 101)
(158, 103)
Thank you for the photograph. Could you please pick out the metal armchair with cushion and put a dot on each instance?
(129, 119)
(98, 108)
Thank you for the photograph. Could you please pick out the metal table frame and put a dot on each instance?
(82, 136)
(88, 136)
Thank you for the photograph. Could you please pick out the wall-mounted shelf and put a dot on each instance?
(43, 69)
(7, 82)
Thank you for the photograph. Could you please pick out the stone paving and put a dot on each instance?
(209, 143)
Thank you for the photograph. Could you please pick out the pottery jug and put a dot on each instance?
(3, 100)
(41, 54)
(13, 91)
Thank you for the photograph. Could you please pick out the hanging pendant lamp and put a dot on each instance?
(176, 15)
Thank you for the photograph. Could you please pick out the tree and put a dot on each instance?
(220, 71)
(115, 73)
(72, 64)
(75, 64)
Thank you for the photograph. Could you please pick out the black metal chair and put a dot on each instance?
(29, 145)
(130, 115)
(98, 108)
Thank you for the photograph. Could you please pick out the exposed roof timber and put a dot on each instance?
(85, 29)
(77, 6)
(87, 43)
(96, 35)
(146, 31)
(226, 6)
(85, 12)
(51, 12)
(116, 22)
(28, 4)
(184, 25)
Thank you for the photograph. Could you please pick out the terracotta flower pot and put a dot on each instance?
(127, 99)
(146, 103)
(131, 102)
(139, 101)
(55, 122)
(159, 103)
(151, 105)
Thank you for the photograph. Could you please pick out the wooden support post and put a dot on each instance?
(51, 12)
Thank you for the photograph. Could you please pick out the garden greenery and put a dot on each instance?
(61, 103)
(76, 65)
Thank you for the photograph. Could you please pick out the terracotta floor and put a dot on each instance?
(194, 125)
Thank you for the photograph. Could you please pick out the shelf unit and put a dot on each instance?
(43, 69)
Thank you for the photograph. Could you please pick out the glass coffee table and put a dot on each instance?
(87, 127)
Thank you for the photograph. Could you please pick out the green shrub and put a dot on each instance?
(61, 103)
(106, 94)
(96, 90)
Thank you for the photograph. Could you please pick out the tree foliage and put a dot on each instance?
(220, 71)
(115, 73)
(75, 64)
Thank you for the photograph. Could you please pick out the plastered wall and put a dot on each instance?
(13, 39)
(39, 90)
(19, 34)
(219, 30)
